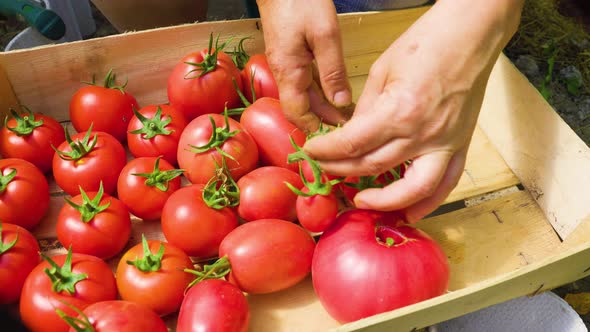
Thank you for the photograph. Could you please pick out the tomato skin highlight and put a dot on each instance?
(122, 316)
(104, 236)
(145, 202)
(38, 301)
(25, 200)
(159, 145)
(194, 96)
(316, 213)
(265, 122)
(161, 291)
(17, 262)
(214, 305)
(356, 274)
(267, 255)
(103, 163)
(107, 110)
(194, 227)
(35, 147)
(200, 167)
(258, 71)
(264, 195)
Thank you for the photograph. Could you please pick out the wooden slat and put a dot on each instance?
(45, 78)
(540, 148)
(485, 170)
(7, 98)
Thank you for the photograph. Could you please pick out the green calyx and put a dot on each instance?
(5, 247)
(239, 55)
(158, 178)
(322, 130)
(154, 126)
(6, 179)
(221, 190)
(79, 148)
(317, 187)
(149, 262)
(90, 207)
(24, 124)
(218, 136)
(209, 62)
(62, 277)
(109, 82)
(217, 270)
(78, 324)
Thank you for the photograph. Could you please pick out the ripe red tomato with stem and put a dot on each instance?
(151, 274)
(255, 72)
(108, 316)
(87, 159)
(352, 185)
(145, 184)
(24, 193)
(368, 262)
(214, 305)
(18, 256)
(108, 108)
(196, 218)
(317, 204)
(265, 122)
(155, 131)
(210, 137)
(264, 194)
(202, 82)
(30, 136)
(77, 279)
(262, 256)
(94, 223)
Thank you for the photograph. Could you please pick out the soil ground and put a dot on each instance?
(567, 89)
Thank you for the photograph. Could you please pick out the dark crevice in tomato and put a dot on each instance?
(62, 277)
(389, 237)
(149, 262)
(24, 124)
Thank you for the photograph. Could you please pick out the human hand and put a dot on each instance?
(420, 102)
(296, 33)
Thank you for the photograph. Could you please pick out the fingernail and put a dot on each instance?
(342, 98)
(360, 204)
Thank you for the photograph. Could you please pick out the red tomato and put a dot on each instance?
(151, 274)
(264, 195)
(155, 131)
(258, 72)
(308, 173)
(86, 160)
(267, 255)
(214, 305)
(190, 224)
(316, 213)
(203, 82)
(107, 108)
(31, 137)
(80, 280)
(367, 264)
(18, 256)
(120, 316)
(265, 122)
(24, 193)
(197, 150)
(94, 224)
(145, 184)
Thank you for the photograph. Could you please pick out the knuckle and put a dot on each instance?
(326, 31)
(374, 166)
(347, 146)
(336, 74)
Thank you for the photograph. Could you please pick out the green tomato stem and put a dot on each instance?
(62, 277)
(24, 124)
(209, 62)
(221, 190)
(149, 262)
(317, 187)
(158, 178)
(152, 127)
(79, 148)
(90, 208)
(217, 270)
(5, 247)
(78, 324)
(6, 179)
(218, 136)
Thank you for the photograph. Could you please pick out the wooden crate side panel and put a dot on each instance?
(551, 161)
(7, 97)
(45, 78)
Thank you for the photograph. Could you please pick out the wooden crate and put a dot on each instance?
(521, 242)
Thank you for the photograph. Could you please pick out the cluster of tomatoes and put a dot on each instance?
(253, 205)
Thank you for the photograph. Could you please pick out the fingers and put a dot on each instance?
(455, 168)
(375, 162)
(326, 45)
(325, 111)
(420, 181)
